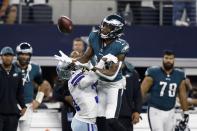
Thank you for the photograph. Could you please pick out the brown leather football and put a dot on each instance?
(65, 24)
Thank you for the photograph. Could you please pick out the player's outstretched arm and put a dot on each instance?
(82, 61)
(115, 67)
(86, 57)
(88, 80)
(115, 64)
(111, 69)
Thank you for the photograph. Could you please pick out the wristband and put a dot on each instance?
(39, 97)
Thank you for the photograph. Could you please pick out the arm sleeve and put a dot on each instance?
(20, 93)
(88, 80)
(137, 96)
(90, 38)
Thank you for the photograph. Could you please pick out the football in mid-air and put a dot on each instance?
(65, 24)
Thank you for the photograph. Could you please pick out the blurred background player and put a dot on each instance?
(132, 98)
(163, 84)
(62, 94)
(11, 92)
(79, 46)
(105, 41)
(31, 73)
(192, 100)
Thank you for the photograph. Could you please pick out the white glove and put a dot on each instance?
(110, 58)
(100, 64)
(63, 57)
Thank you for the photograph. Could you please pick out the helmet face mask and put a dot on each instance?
(112, 27)
(23, 58)
(65, 70)
(24, 52)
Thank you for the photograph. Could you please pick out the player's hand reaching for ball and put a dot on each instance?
(63, 57)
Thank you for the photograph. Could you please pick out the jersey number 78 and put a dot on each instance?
(171, 88)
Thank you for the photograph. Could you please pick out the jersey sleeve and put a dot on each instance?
(91, 37)
(150, 72)
(124, 49)
(89, 80)
(182, 75)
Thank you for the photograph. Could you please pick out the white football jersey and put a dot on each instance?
(83, 90)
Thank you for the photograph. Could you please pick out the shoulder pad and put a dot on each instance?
(151, 70)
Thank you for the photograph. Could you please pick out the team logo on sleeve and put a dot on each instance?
(125, 49)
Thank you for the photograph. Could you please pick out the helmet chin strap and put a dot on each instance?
(104, 36)
(26, 77)
(109, 35)
(23, 63)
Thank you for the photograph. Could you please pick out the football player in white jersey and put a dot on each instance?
(82, 86)
(85, 100)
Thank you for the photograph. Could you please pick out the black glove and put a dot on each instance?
(186, 116)
(184, 122)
